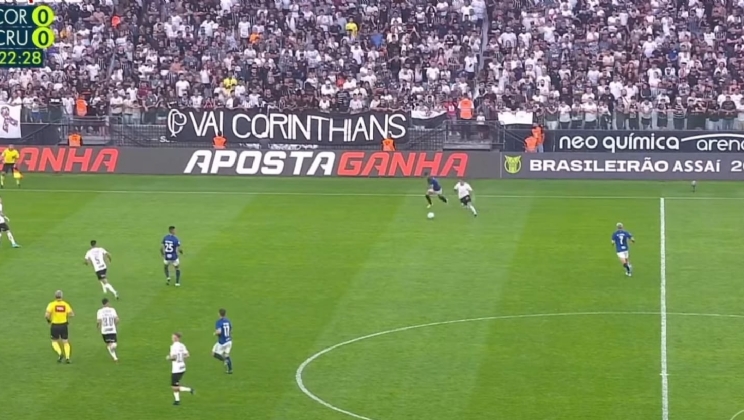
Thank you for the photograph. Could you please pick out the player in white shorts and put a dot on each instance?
(107, 319)
(223, 349)
(621, 240)
(4, 228)
(97, 257)
(465, 194)
(223, 346)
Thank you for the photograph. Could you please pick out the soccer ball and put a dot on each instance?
(430, 215)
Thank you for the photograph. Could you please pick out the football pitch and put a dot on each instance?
(347, 302)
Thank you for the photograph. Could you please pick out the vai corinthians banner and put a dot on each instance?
(246, 126)
(661, 141)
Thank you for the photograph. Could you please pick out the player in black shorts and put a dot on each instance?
(4, 228)
(464, 193)
(176, 378)
(177, 356)
(58, 313)
(9, 157)
(59, 332)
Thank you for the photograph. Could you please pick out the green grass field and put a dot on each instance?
(304, 264)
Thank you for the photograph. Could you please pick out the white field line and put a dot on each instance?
(301, 369)
(737, 414)
(350, 194)
(663, 311)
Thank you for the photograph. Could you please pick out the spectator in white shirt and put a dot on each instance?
(590, 111)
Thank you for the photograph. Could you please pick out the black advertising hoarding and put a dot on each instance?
(341, 164)
(363, 164)
(301, 127)
(245, 162)
(631, 166)
(655, 141)
(81, 159)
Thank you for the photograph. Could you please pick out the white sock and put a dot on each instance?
(12, 239)
(184, 389)
(177, 396)
(108, 286)
(112, 351)
(472, 208)
(103, 286)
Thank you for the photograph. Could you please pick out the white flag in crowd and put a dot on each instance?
(10, 121)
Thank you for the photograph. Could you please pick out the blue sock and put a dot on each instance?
(167, 272)
(627, 267)
(178, 275)
(228, 360)
(218, 357)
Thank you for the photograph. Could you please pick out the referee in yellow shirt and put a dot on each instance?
(9, 157)
(58, 314)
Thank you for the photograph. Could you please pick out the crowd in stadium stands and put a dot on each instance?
(623, 64)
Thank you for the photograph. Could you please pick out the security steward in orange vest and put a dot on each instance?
(530, 144)
(74, 140)
(388, 145)
(539, 134)
(466, 108)
(219, 142)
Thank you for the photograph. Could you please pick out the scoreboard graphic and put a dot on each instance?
(25, 35)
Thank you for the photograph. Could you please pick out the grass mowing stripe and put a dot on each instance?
(662, 310)
(358, 282)
(201, 242)
(332, 194)
(703, 245)
(25, 282)
(514, 230)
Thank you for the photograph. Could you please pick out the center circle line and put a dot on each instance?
(301, 369)
(737, 414)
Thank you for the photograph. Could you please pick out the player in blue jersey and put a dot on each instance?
(221, 349)
(170, 250)
(434, 190)
(621, 239)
